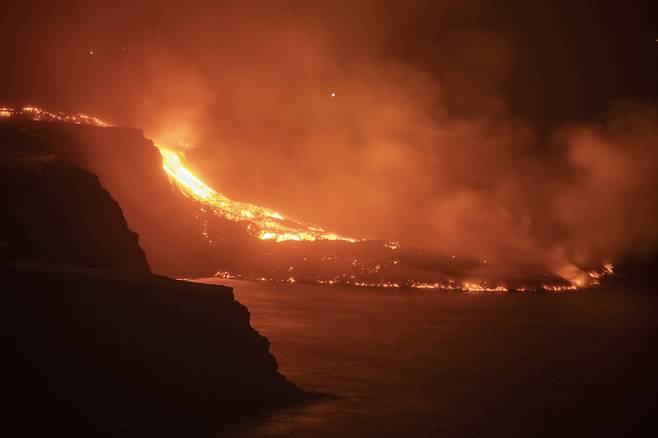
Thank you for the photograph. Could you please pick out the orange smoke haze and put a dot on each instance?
(351, 119)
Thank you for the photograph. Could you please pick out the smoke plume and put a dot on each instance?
(377, 121)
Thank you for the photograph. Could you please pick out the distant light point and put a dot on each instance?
(333, 94)
(91, 52)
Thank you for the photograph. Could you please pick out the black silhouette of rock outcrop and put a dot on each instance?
(96, 345)
(62, 215)
(109, 353)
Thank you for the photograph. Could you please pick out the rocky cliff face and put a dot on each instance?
(95, 345)
(130, 168)
(61, 214)
(105, 353)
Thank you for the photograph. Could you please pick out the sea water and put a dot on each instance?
(409, 363)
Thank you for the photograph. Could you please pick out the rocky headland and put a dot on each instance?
(97, 344)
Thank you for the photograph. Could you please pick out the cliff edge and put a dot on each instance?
(95, 345)
(109, 353)
(59, 213)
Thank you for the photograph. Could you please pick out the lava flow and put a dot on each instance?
(332, 259)
(262, 222)
(41, 115)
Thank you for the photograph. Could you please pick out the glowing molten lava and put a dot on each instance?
(262, 222)
(41, 115)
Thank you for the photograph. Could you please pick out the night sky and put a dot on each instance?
(570, 59)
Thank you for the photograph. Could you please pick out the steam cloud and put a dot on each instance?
(417, 144)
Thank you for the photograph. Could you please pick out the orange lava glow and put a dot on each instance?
(467, 286)
(39, 114)
(264, 223)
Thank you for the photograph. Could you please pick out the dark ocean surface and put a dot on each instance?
(406, 363)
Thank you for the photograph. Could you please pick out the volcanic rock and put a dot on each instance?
(108, 353)
(61, 214)
(97, 346)
(129, 167)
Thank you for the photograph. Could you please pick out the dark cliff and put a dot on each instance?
(61, 214)
(95, 345)
(106, 353)
(130, 168)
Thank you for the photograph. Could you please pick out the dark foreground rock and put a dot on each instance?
(96, 346)
(129, 167)
(59, 213)
(105, 353)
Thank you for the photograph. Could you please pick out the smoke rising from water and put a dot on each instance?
(364, 119)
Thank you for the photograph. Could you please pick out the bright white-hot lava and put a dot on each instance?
(264, 223)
